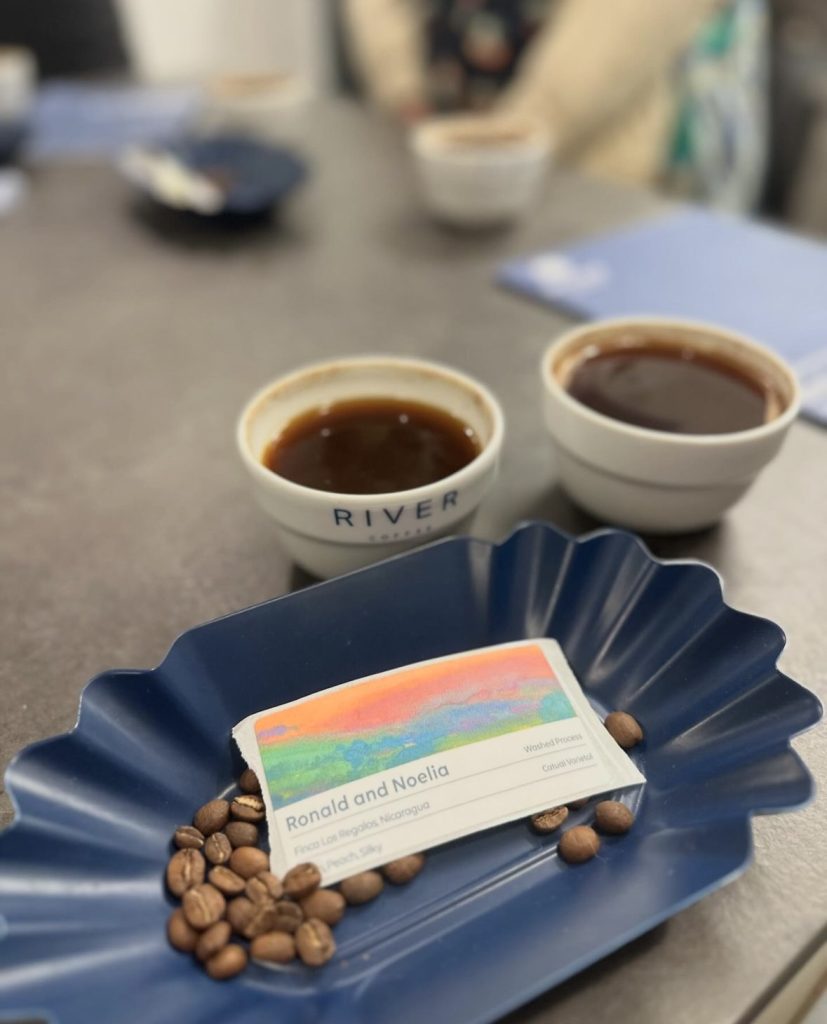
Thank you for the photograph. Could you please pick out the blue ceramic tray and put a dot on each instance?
(495, 918)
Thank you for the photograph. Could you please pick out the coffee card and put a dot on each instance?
(398, 762)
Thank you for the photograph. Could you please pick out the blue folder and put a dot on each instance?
(699, 265)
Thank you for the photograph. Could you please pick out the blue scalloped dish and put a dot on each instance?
(495, 918)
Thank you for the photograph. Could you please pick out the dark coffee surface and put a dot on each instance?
(371, 446)
(670, 388)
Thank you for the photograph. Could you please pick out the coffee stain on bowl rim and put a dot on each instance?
(482, 398)
(752, 359)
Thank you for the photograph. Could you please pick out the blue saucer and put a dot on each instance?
(494, 919)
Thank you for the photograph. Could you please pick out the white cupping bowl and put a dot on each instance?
(479, 185)
(651, 480)
(328, 533)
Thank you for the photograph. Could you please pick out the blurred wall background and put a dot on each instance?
(167, 41)
(171, 40)
(69, 36)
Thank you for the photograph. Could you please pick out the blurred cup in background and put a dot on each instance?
(18, 75)
(480, 171)
(270, 106)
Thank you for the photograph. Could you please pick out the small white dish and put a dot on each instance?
(651, 480)
(480, 171)
(329, 533)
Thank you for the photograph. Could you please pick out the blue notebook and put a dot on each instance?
(704, 266)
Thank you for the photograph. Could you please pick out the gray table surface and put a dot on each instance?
(128, 350)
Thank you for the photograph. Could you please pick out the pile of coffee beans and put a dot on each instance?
(611, 817)
(229, 895)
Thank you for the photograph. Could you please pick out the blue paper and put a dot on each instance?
(72, 119)
(699, 265)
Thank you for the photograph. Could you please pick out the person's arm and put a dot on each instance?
(386, 41)
(594, 58)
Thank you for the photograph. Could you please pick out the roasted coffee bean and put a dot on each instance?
(212, 817)
(180, 932)
(248, 861)
(217, 848)
(575, 805)
(613, 817)
(241, 833)
(273, 917)
(248, 782)
(263, 887)
(623, 729)
(301, 880)
(203, 906)
(188, 837)
(547, 821)
(226, 881)
(315, 943)
(361, 888)
(185, 869)
(403, 869)
(227, 963)
(326, 904)
(284, 916)
(213, 939)
(247, 807)
(579, 844)
(289, 916)
(274, 947)
(239, 913)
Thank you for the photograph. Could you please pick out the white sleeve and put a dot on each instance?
(385, 38)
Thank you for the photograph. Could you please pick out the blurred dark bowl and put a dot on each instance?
(12, 134)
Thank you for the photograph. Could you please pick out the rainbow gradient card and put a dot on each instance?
(370, 770)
